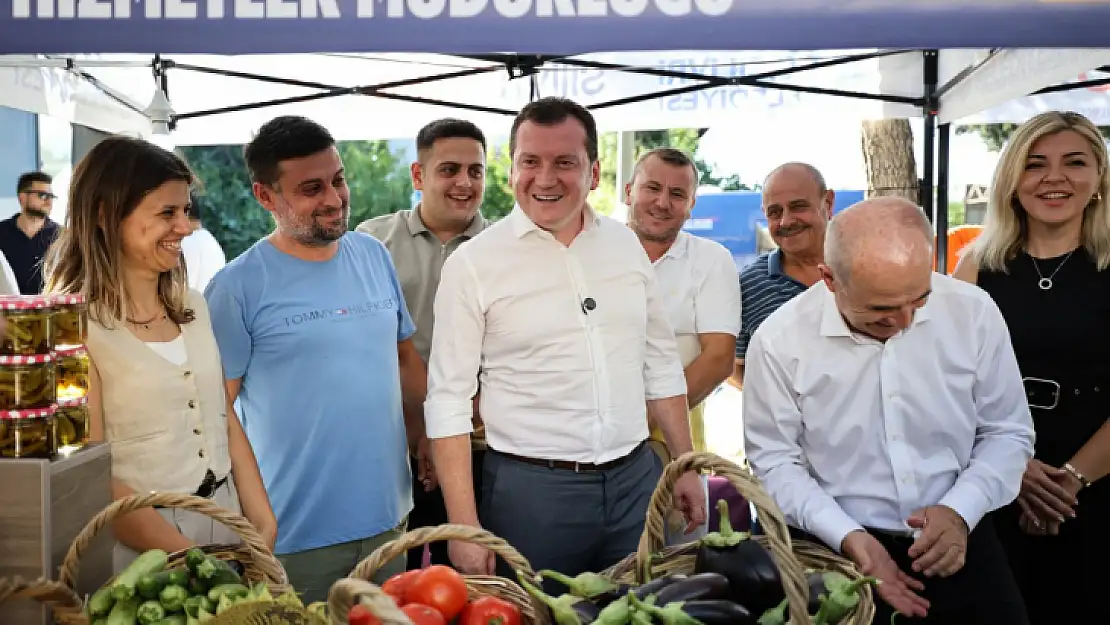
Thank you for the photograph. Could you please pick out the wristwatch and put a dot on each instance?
(1083, 481)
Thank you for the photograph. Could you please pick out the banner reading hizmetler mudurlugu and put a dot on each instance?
(542, 26)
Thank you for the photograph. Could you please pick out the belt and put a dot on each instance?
(1045, 394)
(569, 465)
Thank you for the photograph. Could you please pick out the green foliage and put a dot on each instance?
(380, 182)
(995, 136)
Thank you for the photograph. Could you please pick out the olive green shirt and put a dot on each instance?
(419, 256)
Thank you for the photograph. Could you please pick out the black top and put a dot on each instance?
(1060, 335)
(25, 253)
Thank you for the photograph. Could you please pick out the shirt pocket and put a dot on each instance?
(133, 428)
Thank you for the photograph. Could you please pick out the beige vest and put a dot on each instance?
(167, 423)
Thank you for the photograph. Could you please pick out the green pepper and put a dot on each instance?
(564, 608)
(587, 585)
(843, 597)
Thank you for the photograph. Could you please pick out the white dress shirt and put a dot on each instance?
(848, 432)
(701, 289)
(558, 381)
(204, 258)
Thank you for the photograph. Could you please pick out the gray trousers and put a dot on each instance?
(566, 521)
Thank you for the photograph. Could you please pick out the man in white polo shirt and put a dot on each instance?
(699, 283)
(555, 311)
(697, 277)
(885, 414)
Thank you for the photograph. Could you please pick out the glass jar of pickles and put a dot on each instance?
(72, 372)
(27, 433)
(71, 424)
(30, 325)
(27, 382)
(71, 320)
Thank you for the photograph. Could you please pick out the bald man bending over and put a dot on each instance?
(885, 414)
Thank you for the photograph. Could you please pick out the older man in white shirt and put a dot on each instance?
(885, 414)
(554, 310)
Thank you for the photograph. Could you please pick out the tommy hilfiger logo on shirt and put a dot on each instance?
(366, 308)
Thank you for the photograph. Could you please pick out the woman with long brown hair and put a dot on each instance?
(156, 383)
(1044, 256)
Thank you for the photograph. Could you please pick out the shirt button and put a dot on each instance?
(192, 403)
(201, 453)
(188, 373)
(196, 431)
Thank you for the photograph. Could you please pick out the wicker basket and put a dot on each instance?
(532, 612)
(259, 563)
(41, 590)
(792, 557)
(345, 592)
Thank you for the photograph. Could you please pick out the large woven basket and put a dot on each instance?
(259, 564)
(41, 590)
(345, 593)
(793, 558)
(532, 612)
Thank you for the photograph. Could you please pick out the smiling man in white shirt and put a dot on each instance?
(554, 310)
(885, 415)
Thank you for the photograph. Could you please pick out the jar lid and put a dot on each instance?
(13, 360)
(30, 413)
(71, 350)
(67, 299)
(73, 402)
(24, 302)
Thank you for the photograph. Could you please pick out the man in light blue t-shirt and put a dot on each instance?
(315, 340)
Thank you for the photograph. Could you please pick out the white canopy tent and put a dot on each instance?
(203, 99)
(223, 99)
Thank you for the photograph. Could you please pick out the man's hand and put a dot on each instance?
(941, 548)
(471, 559)
(689, 499)
(896, 588)
(426, 471)
(1044, 494)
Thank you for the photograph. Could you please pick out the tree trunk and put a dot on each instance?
(888, 158)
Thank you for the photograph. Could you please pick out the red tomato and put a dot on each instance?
(360, 615)
(490, 611)
(423, 615)
(399, 584)
(440, 587)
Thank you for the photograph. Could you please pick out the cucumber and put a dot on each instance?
(100, 604)
(149, 563)
(173, 598)
(224, 575)
(195, 604)
(150, 612)
(234, 590)
(150, 585)
(125, 612)
(174, 619)
(193, 558)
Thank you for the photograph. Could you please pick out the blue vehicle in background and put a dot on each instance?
(735, 220)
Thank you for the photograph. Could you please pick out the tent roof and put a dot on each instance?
(224, 99)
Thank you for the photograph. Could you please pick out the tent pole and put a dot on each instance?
(626, 160)
(929, 87)
(944, 149)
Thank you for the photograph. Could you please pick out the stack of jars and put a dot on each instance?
(44, 376)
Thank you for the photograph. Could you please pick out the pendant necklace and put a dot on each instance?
(146, 324)
(1044, 283)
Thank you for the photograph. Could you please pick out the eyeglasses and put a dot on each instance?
(45, 196)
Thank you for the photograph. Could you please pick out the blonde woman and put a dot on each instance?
(1044, 256)
(156, 382)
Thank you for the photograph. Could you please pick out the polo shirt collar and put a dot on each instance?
(416, 224)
